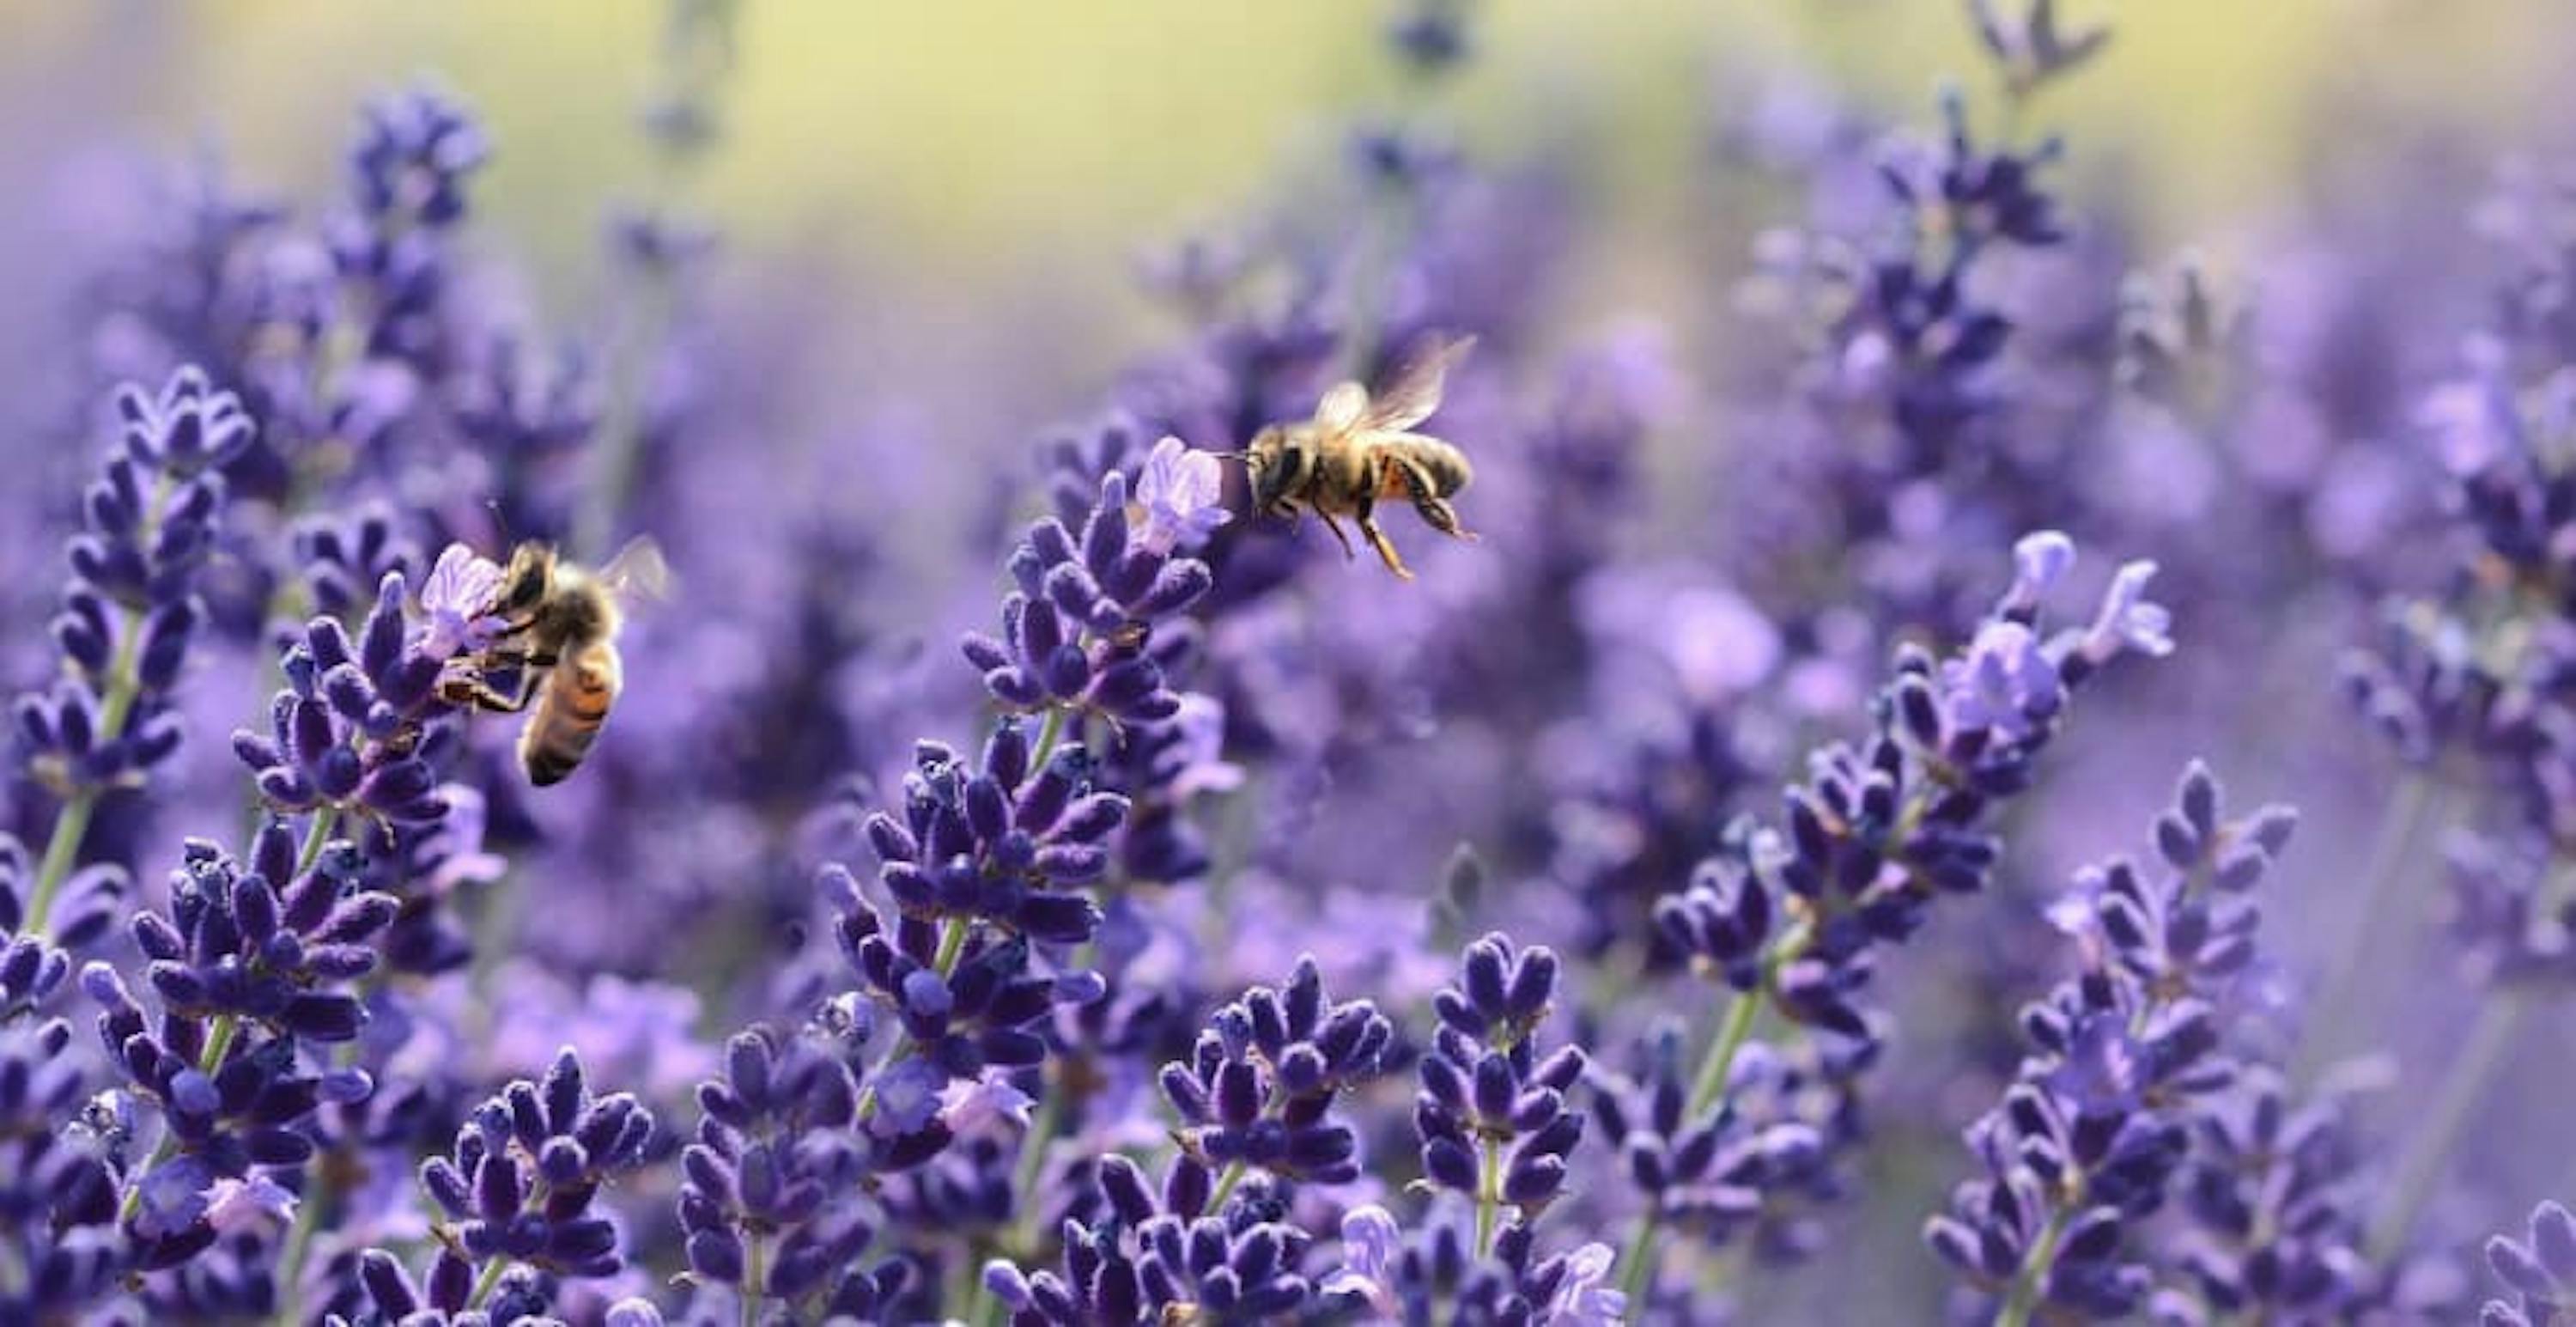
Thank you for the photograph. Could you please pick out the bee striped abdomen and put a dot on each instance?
(1425, 472)
(569, 714)
(1421, 470)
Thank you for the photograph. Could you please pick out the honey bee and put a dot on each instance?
(560, 638)
(1357, 451)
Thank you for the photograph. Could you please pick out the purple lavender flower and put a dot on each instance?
(230, 1095)
(1165, 767)
(267, 939)
(1877, 832)
(59, 1173)
(1179, 1254)
(2474, 675)
(129, 611)
(1796, 917)
(2030, 46)
(1371, 1241)
(534, 432)
(2040, 561)
(1004, 842)
(2093, 1134)
(33, 967)
(2005, 684)
(1258, 1088)
(1181, 496)
(1721, 1173)
(1077, 631)
(2540, 1269)
(408, 171)
(1430, 36)
(457, 598)
(355, 730)
(2273, 1193)
(416, 151)
(963, 998)
(1414, 1280)
(1494, 1130)
(2128, 621)
(770, 1200)
(1493, 1116)
(518, 1187)
(341, 561)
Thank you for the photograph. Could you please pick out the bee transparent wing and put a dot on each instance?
(1412, 391)
(1342, 408)
(638, 574)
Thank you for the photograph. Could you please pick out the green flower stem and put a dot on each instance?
(1719, 1064)
(2464, 1085)
(62, 847)
(116, 709)
(1637, 1260)
(755, 1275)
(1225, 1186)
(1048, 736)
(315, 836)
(2412, 810)
(2030, 1285)
(487, 1282)
(2489, 1047)
(1489, 1196)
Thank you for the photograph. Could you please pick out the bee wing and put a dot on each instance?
(1412, 390)
(1342, 408)
(638, 573)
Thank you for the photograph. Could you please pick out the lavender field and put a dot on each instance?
(1478, 664)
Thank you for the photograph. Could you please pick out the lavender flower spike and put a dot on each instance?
(2128, 621)
(2040, 561)
(1371, 1242)
(2540, 1269)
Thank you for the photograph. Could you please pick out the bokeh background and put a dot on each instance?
(922, 165)
(941, 190)
(937, 188)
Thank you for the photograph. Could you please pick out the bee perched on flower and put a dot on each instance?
(553, 625)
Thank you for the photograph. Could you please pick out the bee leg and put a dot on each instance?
(1377, 540)
(1348, 553)
(474, 692)
(516, 656)
(1436, 511)
(1440, 516)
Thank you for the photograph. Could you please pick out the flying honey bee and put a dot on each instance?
(1357, 451)
(560, 638)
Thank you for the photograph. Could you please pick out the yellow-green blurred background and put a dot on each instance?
(1042, 144)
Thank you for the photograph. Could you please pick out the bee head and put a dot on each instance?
(527, 581)
(1276, 466)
